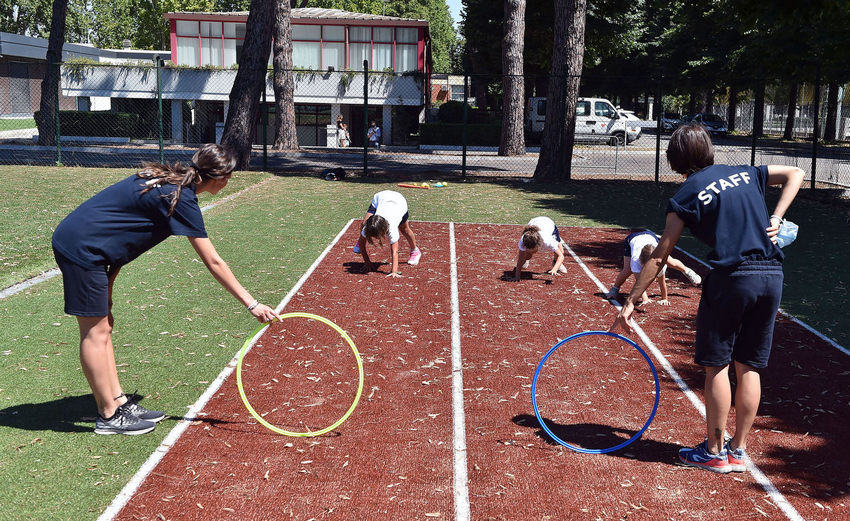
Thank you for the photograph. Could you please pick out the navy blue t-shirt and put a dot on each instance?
(724, 207)
(120, 223)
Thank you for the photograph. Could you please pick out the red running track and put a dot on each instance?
(396, 457)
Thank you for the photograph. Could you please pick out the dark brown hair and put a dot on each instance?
(211, 161)
(376, 227)
(690, 149)
(646, 253)
(531, 237)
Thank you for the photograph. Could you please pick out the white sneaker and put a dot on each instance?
(562, 269)
(525, 264)
(693, 276)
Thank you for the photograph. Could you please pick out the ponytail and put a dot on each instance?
(211, 161)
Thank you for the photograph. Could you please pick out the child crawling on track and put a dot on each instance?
(386, 218)
(539, 232)
(637, 250)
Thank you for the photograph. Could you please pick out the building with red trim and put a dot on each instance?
(330, 47)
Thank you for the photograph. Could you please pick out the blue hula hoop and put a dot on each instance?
(581, 449)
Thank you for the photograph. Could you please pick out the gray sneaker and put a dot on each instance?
(693, 277)
(122, 422)
(140, 412)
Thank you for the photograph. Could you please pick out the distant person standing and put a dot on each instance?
(342, 138)
(374, 136)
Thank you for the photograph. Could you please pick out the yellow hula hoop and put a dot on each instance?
(308, 433)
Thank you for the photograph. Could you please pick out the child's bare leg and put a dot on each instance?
(98, 362)
(405, 229)
(678, 265)
(621, 278)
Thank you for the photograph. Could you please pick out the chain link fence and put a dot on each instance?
(410, 124)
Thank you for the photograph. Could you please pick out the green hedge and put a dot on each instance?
(452, 134)
(101, 124)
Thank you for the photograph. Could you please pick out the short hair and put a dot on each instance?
(531, 237)
(690, 149)
(646, 253)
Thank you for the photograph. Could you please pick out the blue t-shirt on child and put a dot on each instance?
(724, 207)
(120, 223)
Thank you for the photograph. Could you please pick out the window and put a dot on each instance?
(583, 108)
(211, 43)
(333, 55)
(457, 92)
(407, 58)
(357, 52)
(306, 32)
(333, 33)
(406, 35)
(603, 109)
(383, 56)
(382, 34)
(187, 51)
(306, 55)
(187, 28)
(360, 34)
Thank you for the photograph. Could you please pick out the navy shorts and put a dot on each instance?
(372, 210)
(86, 290)
(556, 235)
(627, 249)
(736, 314)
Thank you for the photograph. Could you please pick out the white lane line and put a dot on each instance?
(49, 274)
(170, 440)
(461, 479)
(777, 497)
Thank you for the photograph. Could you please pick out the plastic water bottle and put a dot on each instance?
(787, 234)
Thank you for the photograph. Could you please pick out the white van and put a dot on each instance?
(596, 120)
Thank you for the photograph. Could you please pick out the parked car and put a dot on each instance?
(715, 124)
(670, 120)
(596, 120)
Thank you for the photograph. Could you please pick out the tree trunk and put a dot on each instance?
(46, 121)
(708, 106)
(733, 108)
(792, 112)
(692, 104)
(556, 152)
(758, 110)
(831, 112)
(285, 137)
(241, 124)
(513, 140)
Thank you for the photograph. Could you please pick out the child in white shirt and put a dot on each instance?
(386, 218)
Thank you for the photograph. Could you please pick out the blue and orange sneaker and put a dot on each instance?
(700, 457)
(737, 458)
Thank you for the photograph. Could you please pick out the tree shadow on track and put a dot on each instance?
(602, 436)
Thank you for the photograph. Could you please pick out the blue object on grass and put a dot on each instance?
(581, 449)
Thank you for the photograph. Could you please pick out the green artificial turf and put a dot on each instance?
(176, 328)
